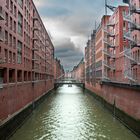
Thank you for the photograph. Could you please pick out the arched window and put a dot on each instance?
(139, 55)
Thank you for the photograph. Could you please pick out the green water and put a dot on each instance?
(71, 114)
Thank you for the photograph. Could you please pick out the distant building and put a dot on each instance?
(90, 64)
(58, 69)
(67, 74)
(99, 46)
(78, 71)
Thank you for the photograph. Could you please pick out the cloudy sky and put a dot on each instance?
(70, 23)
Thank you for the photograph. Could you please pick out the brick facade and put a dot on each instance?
(26, 56)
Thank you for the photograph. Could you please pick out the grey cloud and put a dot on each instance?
(76, 18)
(55, 11)
(68, 54)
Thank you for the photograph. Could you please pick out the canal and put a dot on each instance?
(71, 114)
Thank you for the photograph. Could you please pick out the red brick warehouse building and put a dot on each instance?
(78, 72)
(112, 63)
(132, 51)
(26, 57)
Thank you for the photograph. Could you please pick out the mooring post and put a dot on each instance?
(114, 107)
(83, 86)
(55, 86)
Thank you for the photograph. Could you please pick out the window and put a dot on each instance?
(28, 3)
(6, 19)
(7, 3)
(124, 12)
(19, 52)
(135, 20)
(6, 55)
(20, 22)
(11, 23)
(138, 55)
(14, 58)
(19, 57)
(20, 17)
(6, 37)
(10, 57)
(124, 25)
(1, 11)
(14, 42)
(27, 15)
(11, 6)
(24, 24)
(29, 29)
(25, 11)
(14, 26)
(135, 37)
(10, 37)
(15, 11)
(29, 6)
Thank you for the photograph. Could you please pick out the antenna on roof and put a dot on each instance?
(95, 25)
(112, 8)
(105, 7)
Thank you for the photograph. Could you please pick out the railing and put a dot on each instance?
(36, 28)
(134, 9)
(109, 44)
(72, 81)
(111, 23)
(35, 17)
(134, 43)
(128, 36)
(105, 77)
(110, 66)
(128, 54)
(133, 25)
(35, 68)
(2, 60)
(128, 74)
(107, 52)
(109, 33)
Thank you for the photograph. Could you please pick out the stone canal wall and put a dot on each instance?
(18, 101)
(122, 100)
